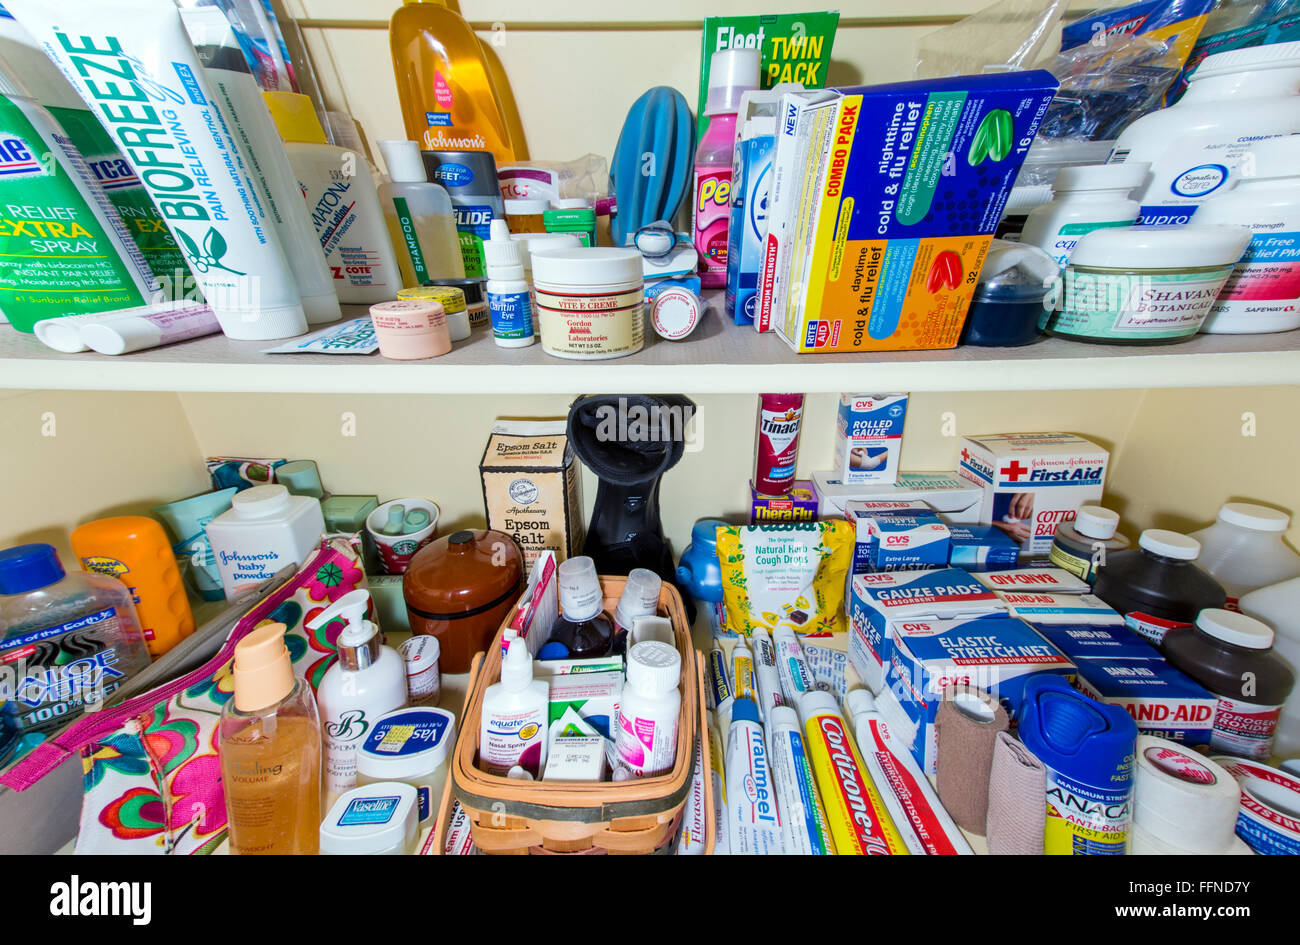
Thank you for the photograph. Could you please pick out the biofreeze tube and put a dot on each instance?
(860, 823)
(912, 801)
(241, 102)
(803, 818)
(796, 677)
(752, 814)
(132, 62)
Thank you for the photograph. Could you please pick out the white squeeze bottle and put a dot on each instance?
(646, 736)
(366, 681)
(514, 727)
(420, 217)
(342, 203)
(1278, 605)
(1194, 146)
(510, 304)
(1243, 549)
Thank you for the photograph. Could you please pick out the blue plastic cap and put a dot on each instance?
(744, 710)
(554, 650)
(28, 567)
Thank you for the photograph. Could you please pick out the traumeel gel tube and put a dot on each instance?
(752, 817)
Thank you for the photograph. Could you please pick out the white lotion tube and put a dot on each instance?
(149, 329)
(752, 818)
(132, 62)
(65, 334)
(241, 100)
(796, 677)
(766, 679)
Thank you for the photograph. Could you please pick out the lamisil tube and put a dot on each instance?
(796, 677)
(742, 672)
(240, 100)
(766, 678)
(752, 814)
(908, 794)
(860, 823)
(132, 62)
(718, 771)
(803, 818)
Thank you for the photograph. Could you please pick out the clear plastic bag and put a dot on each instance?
(1106, 87)
(1004, 37)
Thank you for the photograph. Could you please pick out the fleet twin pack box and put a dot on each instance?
(1032, 482)
(884, 201)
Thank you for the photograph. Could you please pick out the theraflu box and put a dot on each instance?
(888, 197)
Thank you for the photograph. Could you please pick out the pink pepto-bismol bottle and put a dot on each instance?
(776, 444)
(731, 72)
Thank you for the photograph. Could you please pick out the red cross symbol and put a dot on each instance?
(1014, 471)
(965, 455)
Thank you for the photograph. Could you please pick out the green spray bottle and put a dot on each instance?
(63, 249)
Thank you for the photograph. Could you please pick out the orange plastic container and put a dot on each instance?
(448, 97)
(641, 816)
(136, 551)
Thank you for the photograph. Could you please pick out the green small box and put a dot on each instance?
(581, 223)
(347, 513)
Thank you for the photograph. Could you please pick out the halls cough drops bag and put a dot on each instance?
(791, 574)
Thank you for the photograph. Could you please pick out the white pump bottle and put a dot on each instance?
(367, 680)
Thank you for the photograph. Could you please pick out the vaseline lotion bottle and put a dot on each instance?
(270, 751)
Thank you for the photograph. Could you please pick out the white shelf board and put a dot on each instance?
(718, 358)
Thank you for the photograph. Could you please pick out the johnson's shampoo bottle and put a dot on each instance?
(731, 72)
(449, 100)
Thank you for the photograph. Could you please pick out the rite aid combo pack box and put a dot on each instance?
(1031, 482)
(884, 200)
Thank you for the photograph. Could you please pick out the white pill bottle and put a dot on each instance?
(646, 736)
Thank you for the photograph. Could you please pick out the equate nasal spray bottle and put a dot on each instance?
(731, 72)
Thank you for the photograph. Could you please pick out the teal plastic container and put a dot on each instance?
(1088, 750)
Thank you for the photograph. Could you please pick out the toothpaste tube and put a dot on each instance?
(912, 801)
(796, 676)
(717, 771)
(690, 838)
(742, 672)
(752, 815)
(766, 676)
(860, 822)
(807, 828)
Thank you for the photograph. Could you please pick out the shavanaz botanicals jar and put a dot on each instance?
(1144, 285)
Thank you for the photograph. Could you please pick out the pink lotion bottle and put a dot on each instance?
(731, 72)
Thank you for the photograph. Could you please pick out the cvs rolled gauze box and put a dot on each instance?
(869, 437)
(1032, 482)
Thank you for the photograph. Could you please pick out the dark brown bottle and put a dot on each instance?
(582, 627)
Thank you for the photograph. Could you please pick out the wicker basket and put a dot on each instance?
(641, 816)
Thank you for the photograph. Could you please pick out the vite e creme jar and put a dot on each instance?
(1144, 285)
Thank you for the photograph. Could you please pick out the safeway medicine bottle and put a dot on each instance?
(1263, 292)
(1084, 199)
(1233, 100)
(646, 739)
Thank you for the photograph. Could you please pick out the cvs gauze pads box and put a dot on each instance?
(995, 652)
(532, 489)
(896, 191)
(1161, 700)
(877, 599)
(799, 506)
(955, 499)
(1090, 642)
(1032, 482)
(869, 437)
(1047, 580)
(1061, 608)
(981, 548)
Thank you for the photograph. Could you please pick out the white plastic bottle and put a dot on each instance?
(366, 681)
(646, 739)
(1278, 605)
(420, 218)
(1263, 292)
(514, 727)
(264, 529)
(342, 203)
(510, 303)
(1084, 199)
(1243, 549)
(1233, 99)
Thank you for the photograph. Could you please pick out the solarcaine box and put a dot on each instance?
(884, 201)
(1032, 482)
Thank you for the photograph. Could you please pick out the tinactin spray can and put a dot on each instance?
(776, 445)
(1088, 750)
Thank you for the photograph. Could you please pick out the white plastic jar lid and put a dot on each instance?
(1096, 522)
(587, 266)
(1169, 544)
(1272, 56)
(524, 205)
(1232, 627)
(370, 819)
(1139, 248)
(407, 743)
(675, 312)
(260, 501)
(1124, 176)
(1259, 518)
(653, 667)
